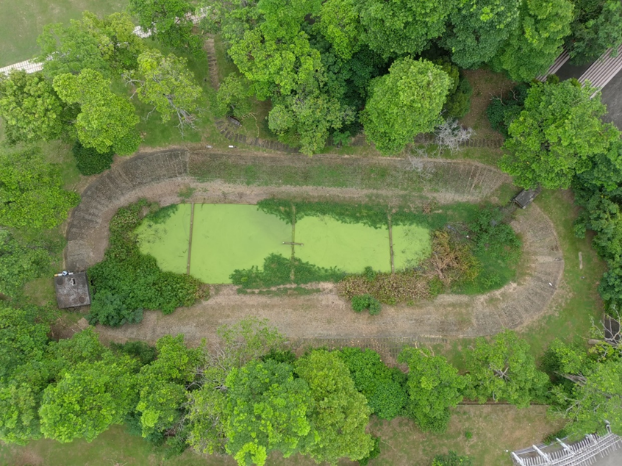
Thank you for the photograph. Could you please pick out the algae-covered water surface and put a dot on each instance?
(227, 237)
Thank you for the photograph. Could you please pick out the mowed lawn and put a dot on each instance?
(21, 22)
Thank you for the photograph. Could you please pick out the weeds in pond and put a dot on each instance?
(278, 270)
(451, 262)
(126, 282)
(162, 214)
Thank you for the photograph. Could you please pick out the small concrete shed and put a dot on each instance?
(526, 197)
(72, 290)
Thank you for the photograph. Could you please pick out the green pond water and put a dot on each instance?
(227, 237)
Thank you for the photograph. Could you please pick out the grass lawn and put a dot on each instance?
(22, 22)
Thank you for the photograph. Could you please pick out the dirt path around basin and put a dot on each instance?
(323, 317)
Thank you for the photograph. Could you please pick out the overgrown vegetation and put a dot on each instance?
(127, 282)
(89, 161)
(278, 270)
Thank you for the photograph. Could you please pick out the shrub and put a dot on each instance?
(384, 388)
(452, 459)
(503, 110)
(366, 302)
(459, 103)
(89, 161)
(142, 351)
(109, 309)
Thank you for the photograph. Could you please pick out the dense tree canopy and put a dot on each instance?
(106, 121)
(339, 413)
(31, 108)
(168, 21)
(404, 103)
(556, 136)
(535, 44)
(31, 193)
(403, 26)
(478, 29)
(597, 26)
(434, 386)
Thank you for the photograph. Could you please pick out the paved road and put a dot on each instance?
(614, 459)
(612, 98)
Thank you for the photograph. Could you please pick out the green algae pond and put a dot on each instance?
(211, 241)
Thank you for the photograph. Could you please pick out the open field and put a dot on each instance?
(22, 22)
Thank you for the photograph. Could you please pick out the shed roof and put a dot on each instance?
(72, 290)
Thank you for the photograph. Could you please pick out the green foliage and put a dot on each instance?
(339, 414)
(19, 421)
(458, 103)
(535, 44)
(31, 109)
(374, 453)
(207, 417)
(163, 385)
(232, 97)
(89, 161)
(404, 103)
(278, 270)
(106, 121)
(341, 27)
(479, 29)
(168, 21)
(556, 136)
(403, 27)
(168, 85)
(452, 459)
(504, 370)
(597, 26)
(31, 194)
(106, 45)
(143, 352)
(87, 400)
(503, 110)
(19, 263)
(126, 281)
(22, 338)
(433, 387)
(366, 302)
(267, 411)
(384, 388)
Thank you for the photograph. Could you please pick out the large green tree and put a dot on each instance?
(106, 121)
(383, 387)
(557, 135)
(208, 413)
(88, 399)
(340, 25)
(535, 44)
(478, 29)
(403, 26)
(267, 411)
(163, 384)
(339, 414)
(19, 263)
(503, 370)
(168, 85)
(597, 26)
(31, 192)
(168, 21)
(107, 45)
(404, 103)
(434, 386)
(31, 109)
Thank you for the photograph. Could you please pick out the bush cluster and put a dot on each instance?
(503, 110)
(127, 282)
(89, 161)
(366, 302)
